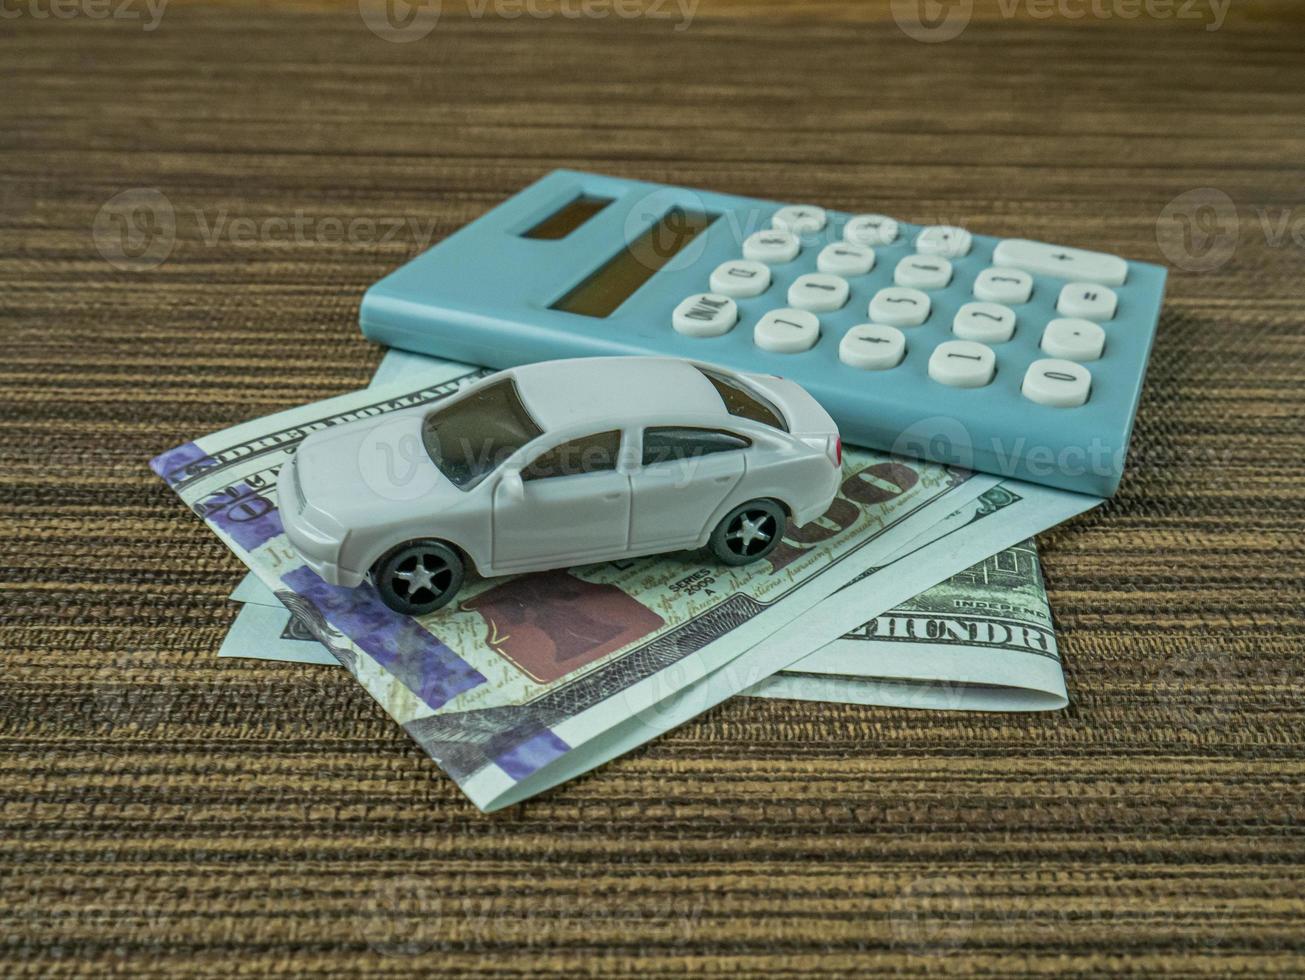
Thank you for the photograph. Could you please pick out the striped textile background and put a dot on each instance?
(166, 814)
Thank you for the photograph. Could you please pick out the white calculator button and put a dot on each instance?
(787, 331)
(962, 364)
(871, 229)
(1064, 263)
(899, 306)
(923, 272)
(818, 292)
(705, 315)
(1058, 383)
(740, 277)
(1074, 339)
(771, 246)
(1087, 300)
(947, 240)
(990, 323)
(801, 219)
(846, 259)
(1000, 285)
(872, 347)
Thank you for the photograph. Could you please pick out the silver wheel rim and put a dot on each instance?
(421, 577)
(750, 532)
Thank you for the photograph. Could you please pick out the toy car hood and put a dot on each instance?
(370, 470)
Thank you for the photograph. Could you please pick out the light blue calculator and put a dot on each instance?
(1005, 355)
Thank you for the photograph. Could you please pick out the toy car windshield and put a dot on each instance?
(470, 438)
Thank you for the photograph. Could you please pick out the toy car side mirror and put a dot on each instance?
(513, 485)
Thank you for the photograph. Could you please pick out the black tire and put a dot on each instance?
(749, 532)
(440, 576)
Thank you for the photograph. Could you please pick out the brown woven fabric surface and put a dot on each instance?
(167, 814)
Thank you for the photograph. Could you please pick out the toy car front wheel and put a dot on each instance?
(418, 577)
(749, 532)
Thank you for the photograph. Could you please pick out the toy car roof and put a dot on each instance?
(608, 389)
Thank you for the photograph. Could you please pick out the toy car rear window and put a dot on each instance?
(472, 437)
(742, 403)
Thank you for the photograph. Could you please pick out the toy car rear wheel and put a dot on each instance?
(749, 532)
(419, 577)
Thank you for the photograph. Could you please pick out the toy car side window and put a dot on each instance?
(586, 454)
(664, 444)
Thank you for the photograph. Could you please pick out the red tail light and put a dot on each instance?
(838, 451)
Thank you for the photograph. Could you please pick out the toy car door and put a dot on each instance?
(684, 475)
(573, 505)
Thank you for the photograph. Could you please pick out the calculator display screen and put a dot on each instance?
(568, 217)
(601, 293)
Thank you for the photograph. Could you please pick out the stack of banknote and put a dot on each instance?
(921, 587)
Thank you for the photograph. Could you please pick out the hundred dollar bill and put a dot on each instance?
(982, 640)
(957, 542)
(269, 631)
(999, 519)
(517, 686)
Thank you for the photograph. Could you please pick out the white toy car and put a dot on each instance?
(557, 464)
